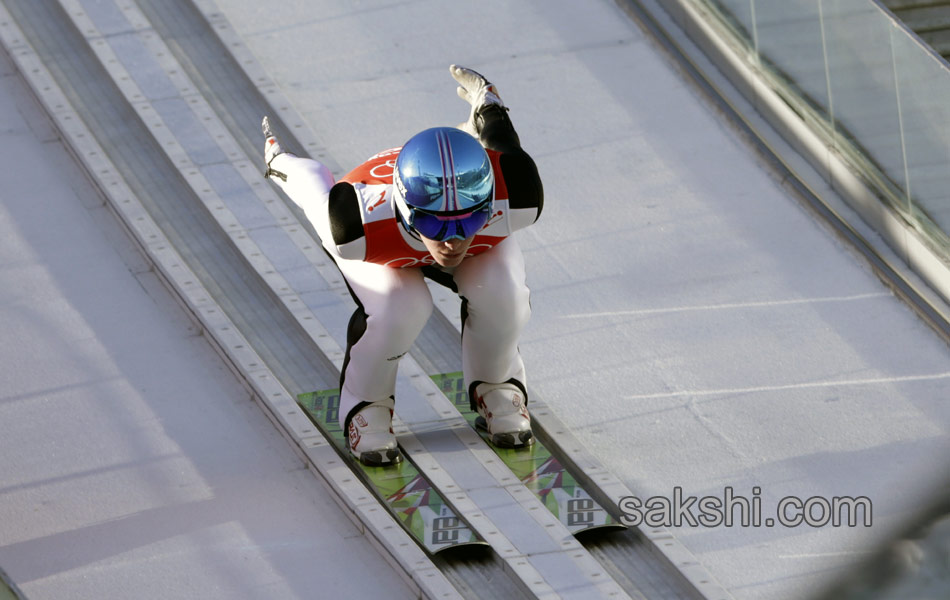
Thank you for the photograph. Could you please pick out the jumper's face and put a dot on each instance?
(448, 253)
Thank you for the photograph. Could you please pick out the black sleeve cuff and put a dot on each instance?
(346, 222)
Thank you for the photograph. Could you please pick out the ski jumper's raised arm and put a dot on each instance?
(525, 192)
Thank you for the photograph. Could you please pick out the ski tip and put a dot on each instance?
(474, 550)
(601, 531)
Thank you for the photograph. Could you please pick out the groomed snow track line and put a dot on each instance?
(161, 104)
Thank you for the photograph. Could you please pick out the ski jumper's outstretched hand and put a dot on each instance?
(478, 92)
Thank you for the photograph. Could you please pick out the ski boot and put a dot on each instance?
(503, 413)
(370, 436)
(271, 149)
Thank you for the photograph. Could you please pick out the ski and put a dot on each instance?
(537, 468)
(403, 490)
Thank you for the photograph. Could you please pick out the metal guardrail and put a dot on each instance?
(867, 86)
(913, 564)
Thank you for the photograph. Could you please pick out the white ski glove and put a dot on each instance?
(477, 91)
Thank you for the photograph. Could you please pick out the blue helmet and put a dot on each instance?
(443, 184)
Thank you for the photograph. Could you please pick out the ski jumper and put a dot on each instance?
(384, 265)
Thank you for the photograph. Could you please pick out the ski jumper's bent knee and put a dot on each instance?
(497, 310)
(493, 284)
(399, 313)
(395, 304)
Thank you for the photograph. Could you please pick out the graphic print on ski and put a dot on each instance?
(410, 497)
(537, 469)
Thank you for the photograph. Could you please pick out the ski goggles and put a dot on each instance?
(448, 226)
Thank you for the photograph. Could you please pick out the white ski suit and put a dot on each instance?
(384, 265)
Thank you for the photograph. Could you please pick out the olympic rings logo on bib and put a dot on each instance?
(475, 249)
(375, 171)
(407, 262)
